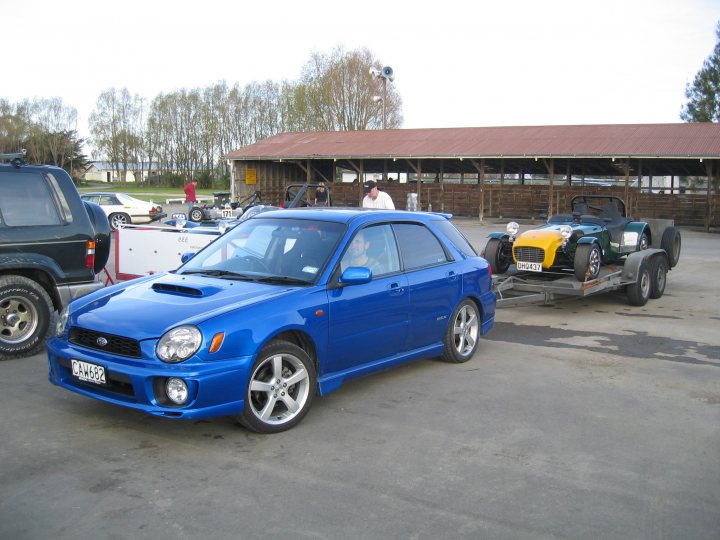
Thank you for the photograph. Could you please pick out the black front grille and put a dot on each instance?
(529, 254)
(115, 344)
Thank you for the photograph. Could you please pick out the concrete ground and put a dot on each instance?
(583, 419)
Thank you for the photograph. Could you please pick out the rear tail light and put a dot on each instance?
(90, 255)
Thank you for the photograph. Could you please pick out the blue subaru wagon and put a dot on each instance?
(283, 306)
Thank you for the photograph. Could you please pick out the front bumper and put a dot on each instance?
(216, 388)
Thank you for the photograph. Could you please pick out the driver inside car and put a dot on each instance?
(357, 255)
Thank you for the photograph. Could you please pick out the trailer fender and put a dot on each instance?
(631, 268)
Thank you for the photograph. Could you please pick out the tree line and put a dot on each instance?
(186, 133)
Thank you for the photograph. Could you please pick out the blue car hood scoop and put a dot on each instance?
(184, 290)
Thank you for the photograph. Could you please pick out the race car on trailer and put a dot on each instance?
(595, 248)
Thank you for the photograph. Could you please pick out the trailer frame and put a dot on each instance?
(523, 288)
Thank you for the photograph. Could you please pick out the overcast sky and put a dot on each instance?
(456, 63)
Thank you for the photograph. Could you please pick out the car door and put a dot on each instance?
(434, 283)
(369, 322)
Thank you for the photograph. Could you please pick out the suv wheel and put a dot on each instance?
(25, 313)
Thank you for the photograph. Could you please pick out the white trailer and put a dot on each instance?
(143, 249)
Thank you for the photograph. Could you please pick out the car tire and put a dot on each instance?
(587, 262)
(658, 275)
(638, 293)
(280, 390)
(25, 314)
(496, 254)
(671, 244)
(118, 220)
(196, 215)
(463, 333)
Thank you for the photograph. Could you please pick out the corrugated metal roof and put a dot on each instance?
(692, 140)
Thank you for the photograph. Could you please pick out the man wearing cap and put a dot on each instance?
(374, 198)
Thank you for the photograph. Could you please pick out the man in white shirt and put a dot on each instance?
(375, 198)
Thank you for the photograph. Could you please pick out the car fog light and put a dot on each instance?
(513, 228)
(176, 390)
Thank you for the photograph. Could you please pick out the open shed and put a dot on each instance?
(494, 168)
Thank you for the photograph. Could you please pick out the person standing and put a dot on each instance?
(321, 195)
(190, 197)
(375, 198)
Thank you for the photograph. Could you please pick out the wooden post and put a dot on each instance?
(627, 183)
(708, 210)
(481, 181)
(550, 166)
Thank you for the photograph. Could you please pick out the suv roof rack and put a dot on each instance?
(16, 159)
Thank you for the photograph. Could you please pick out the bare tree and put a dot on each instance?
(336, 93)
(116, 132)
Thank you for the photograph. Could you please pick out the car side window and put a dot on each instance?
(373, 247)
(418, 246)
(28, 201)
(456, 237)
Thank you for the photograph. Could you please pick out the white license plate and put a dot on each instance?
(227, 213)
(88, 372)
(529, 266)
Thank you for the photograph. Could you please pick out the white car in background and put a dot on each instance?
(122, 209)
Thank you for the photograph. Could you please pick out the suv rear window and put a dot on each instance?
(28, 199)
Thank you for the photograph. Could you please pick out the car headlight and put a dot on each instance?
(513, 228)
(566, 231)
(61, 323)
(178, 344)
(180, 223)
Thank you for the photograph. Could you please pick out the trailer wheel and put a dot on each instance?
(497, 254)
(587, 262)
(671, 244)
(639, 292)
(658, 275)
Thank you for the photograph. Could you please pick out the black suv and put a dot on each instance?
(52, 248)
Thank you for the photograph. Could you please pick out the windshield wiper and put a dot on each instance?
(283, 280)
(222, 274)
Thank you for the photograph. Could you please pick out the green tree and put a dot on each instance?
(703, 94)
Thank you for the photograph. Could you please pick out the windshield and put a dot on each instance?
(269, 250)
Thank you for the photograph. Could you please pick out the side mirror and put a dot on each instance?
(355, 275)
(185, 257)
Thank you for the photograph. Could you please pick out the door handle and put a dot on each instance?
(452, 276)
(395, 289)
